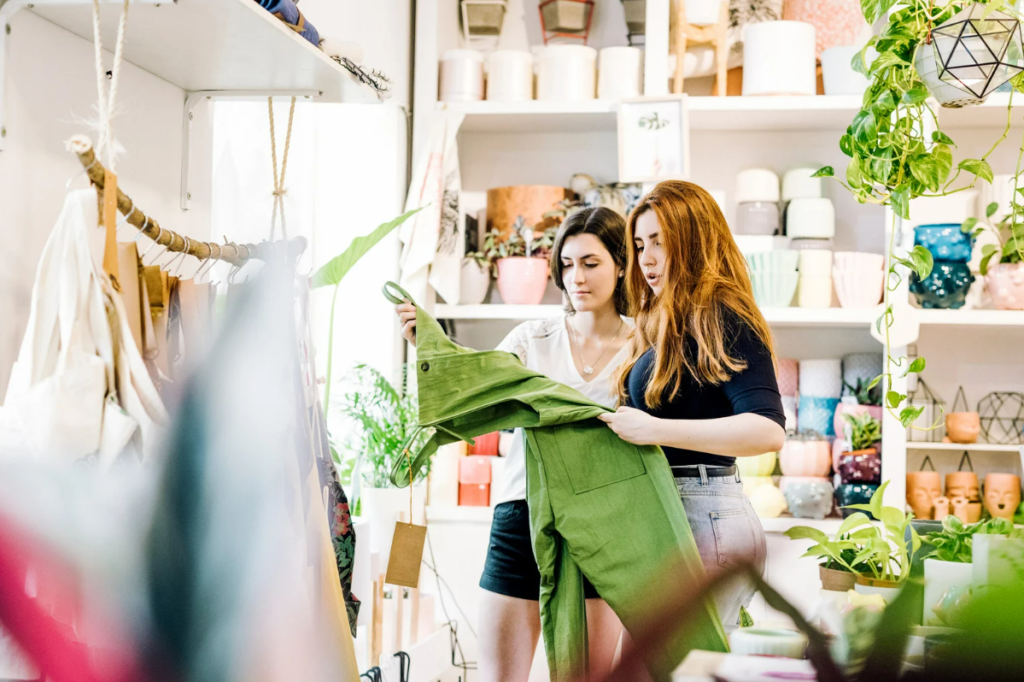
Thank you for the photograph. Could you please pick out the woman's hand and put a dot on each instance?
(407, 316)
(632, 425)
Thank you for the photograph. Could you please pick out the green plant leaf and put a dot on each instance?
(875, 381)
(865, 129)
(943, 158)
(881, 165)
(852, 521)
(853, 173)
(968, 225)
(991, 209)
(916, 95)
(335, 270)
(885, 59)
(978, 167)
(942, 138)
(900, 200)
(807, 533)
(894, 398)
(983, 268)
(910, 414)
(846, 147)
(921, 261)
(825, 171)
(916, 367)
(952, 524)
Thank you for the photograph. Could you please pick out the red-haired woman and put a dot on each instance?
(700, 380)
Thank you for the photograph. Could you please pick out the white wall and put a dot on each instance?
(51, 90)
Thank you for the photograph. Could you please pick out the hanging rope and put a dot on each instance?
(106, 101)
(279, 189)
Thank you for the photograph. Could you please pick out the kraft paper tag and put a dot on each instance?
(109, 217)
(131, 291)
(406, 555)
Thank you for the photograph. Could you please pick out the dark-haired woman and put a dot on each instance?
(582, 349)
(700, 380)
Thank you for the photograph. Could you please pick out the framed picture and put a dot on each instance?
(654, 139)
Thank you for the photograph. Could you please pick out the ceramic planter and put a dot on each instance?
(939, 578)
(1005, 284)
(836, 581)
(566, 16)
(837, 73)
(703, 12)
(779, 58)
(986, 559)
(805, 458)
(854, 493)
(863, 367)
(788, 376)
(947, 95)
(923, 488)
(963, 427)
(963, 484)
(774, 289)
(821, 378)
(751, 483)
(1002, 495)
(807, 498)
(861, 466)
(946, 287)
(817, 414)
(768, 501)
(887, 588)
(522, 281)
(945, 241)
(475, 283)
(762, 465)
(858, 289)
(842, 408)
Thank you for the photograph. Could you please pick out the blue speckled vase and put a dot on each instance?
(946, 241)
(854, 493)
(945, 287)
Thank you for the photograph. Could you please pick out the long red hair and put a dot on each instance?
(704, 279)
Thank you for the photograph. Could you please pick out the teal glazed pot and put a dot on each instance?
(945, 241)
(854, 493)
(945, 287)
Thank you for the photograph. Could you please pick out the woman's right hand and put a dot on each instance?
(407, 316)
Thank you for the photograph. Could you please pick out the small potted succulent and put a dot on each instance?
(862, 464)
(1005, 278)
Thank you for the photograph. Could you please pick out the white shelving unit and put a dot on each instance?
(957, 447)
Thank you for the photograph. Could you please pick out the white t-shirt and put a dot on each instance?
(544, 347)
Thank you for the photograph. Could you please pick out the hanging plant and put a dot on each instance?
(897, 149)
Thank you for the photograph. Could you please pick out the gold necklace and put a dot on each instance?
(589, 369)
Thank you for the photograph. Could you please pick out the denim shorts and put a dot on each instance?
(726, 530)
(510, 568)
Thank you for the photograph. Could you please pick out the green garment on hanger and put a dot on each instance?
(597, 504)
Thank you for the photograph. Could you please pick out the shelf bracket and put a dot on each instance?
(194, 98)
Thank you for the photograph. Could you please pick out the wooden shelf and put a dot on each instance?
(957, 447)
(212, 45)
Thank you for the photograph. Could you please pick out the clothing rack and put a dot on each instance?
(235, 254)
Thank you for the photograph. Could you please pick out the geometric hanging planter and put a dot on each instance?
(978, 53)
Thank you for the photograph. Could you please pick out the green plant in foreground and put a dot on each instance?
(865, 430)
(893, 157)
(1009, 230)
(953, 542)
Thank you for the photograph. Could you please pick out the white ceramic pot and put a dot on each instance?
(858, 289)
(817, 263)
(986, 559)
(821, 378)
(757, 184)
(509, 76)
(474, 284)
(814, 292)
(462, 76)
(381, 506)
(703, 12)
(757, 218)
(566, 73)
(948, 95)
(779, 58)
(810, 219)
(858, 260)
(837, 74)
(799, 183)
(939, 577)
(757, 641)
(620, 72)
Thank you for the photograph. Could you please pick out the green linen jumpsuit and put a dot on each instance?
(599, 506)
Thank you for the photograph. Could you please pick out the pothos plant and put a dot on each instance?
(898, 153)
(1008, 230)
(498, 246)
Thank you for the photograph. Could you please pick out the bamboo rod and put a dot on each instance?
(236, 254)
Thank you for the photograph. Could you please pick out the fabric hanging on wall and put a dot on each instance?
(433, 239)
(584, 486)
(80, 386)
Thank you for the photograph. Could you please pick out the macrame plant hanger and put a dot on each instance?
(279, 188)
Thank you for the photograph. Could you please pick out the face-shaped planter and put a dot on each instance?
(923, 488)
(854, 493)
(963, 427)
(864, 466)
(808, 498)
(807, 458)
(963, 484)
(1002, 495)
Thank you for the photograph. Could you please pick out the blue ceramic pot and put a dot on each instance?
(854, 493)
(946, 287)
(945, 241)
(817, 414)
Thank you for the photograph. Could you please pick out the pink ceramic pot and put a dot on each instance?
(839, 424)
(836, 23)
(1005, 283)
(859, 289)
(806, 458)
(522, 281)
(789, 376)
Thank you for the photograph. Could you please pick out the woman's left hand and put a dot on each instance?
(632, 425)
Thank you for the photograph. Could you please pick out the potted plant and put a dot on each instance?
(868, 398)
(476, 279)
(521, 261)
(862, 464)
(948, 564)
(805, 454)
(881, 547)
(1005, 279)
(838, 566)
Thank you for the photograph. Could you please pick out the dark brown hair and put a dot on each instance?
(705, 279)
(610, 228)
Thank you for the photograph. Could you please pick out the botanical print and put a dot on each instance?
(448, 230)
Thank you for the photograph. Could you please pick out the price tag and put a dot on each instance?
(406, 555)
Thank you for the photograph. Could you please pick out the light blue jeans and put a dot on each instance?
(726, 530)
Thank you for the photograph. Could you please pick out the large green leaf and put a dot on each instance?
(806, 533)
(335, 270)
(978, 167)
(852, 521)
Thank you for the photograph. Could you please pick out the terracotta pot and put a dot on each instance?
(963, 427)
(522, 281)
(836, 581)
(1002, 495)
(1005, 283)
(963, 484)
(923, 488)
(810, 458)
(861, 466)
(506, 204)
